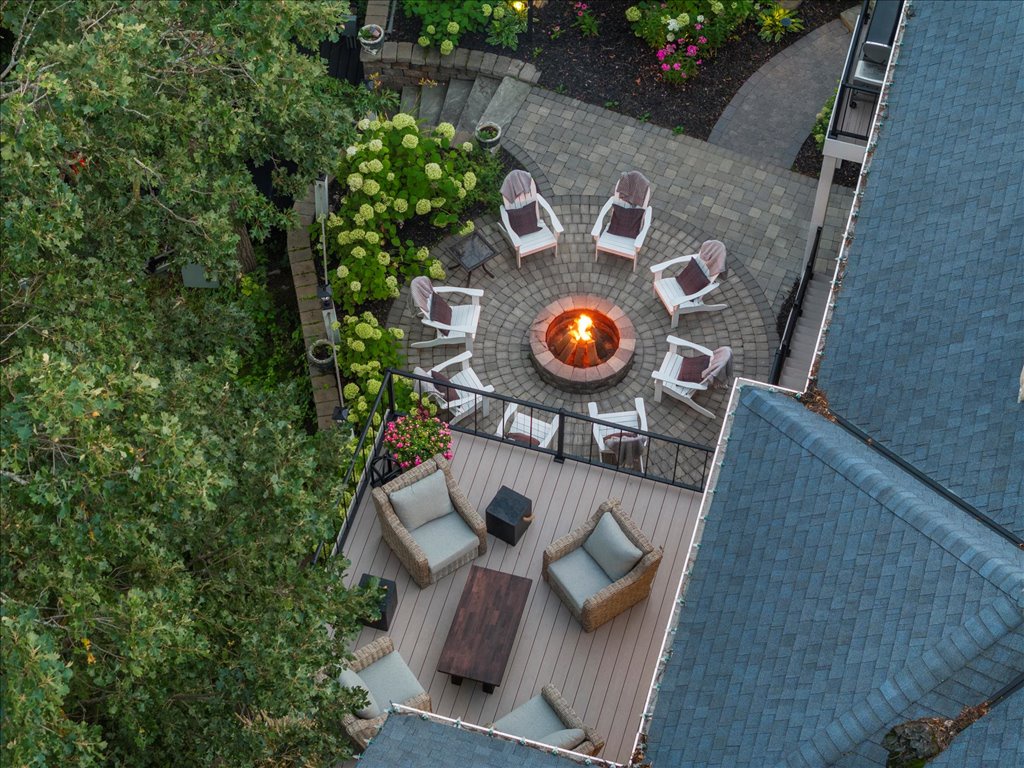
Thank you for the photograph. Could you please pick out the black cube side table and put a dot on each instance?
(387, 605)
(509, 515)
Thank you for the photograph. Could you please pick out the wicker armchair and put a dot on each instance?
(362, 730)
(403, 542)
(545, 714)
(618, 596)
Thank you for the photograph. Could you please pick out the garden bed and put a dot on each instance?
(808, 162)
(619, 71)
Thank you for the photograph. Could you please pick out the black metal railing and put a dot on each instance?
(654, 456)
(783, 350)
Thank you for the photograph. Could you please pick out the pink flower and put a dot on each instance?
(449, 455)
(692, 50)
(698, 26)
(665, 67)
(700, 61)
(661, 55)
(676, 65)
(702, 40)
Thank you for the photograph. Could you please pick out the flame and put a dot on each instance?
(581, 331)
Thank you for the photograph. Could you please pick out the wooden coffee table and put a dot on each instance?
(484, 628)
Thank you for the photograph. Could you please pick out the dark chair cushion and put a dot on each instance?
(448, 393)
(693, 368)
(626, 222)
(519, 437)
(440, 312)
(524, 220)
(692, 279)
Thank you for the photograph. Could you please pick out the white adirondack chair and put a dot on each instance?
(632, 191)
(704, 270)
(714, 366)
(524, 428)
(461, 328)
(519, 195)
(620, 445)
(463, 403)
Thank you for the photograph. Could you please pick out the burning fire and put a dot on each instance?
(581, 331)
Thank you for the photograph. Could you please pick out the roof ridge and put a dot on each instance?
(900, 690)
(857, 463)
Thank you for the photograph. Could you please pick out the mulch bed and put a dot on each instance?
(619, 71)
(808, 162)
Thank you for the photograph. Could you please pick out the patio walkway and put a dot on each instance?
(772, 114)
(576, 151)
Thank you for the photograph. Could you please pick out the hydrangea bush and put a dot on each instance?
(395, 173)
(445, 21)
(364, 352)
(686, 33)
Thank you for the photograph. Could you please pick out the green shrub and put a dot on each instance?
(443, 22)
(821, 121)
(685, 33)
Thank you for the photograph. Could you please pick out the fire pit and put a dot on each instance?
(582, 343)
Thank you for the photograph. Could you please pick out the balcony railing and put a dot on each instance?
(663, 458)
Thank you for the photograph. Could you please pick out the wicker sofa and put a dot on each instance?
(572, 567)
(547, 718)
(383, 672)
(440, 546)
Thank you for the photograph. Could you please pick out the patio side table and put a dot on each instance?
(473, 253)
(509, 515)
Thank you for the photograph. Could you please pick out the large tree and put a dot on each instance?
(159, 504)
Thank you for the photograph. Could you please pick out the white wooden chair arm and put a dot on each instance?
(596, 231)
(508, 227)
(510, 411)
(676, 382)
(706, 289)
(466, 329)
(641, 412)
(648, 215)
(657, 269)
(555, 223)
(464, 358)
(475, 293)
(675, 342)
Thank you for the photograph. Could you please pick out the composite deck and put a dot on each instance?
(605, 674)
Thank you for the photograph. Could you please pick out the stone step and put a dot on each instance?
(455, 101)
(505, 103)
(431, 101)
(481, 95)
(849, 18)
(410, 99)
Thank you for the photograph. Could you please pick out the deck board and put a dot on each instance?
(604, 674)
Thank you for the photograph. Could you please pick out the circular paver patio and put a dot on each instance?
(513, 297)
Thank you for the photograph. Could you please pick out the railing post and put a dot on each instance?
(560, 440)
(389, 381)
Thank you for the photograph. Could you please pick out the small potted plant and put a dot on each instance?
(488, 135)
(371, 37)
(321, 355)
(413, 439)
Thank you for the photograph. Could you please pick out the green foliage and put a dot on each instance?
(686, 33)
(776, 22)
(444, 22)
(160, 494)
(585, 21)
(365, 352)
(820, 129)
(394, 174)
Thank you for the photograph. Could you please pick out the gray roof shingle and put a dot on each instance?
(410, 740)
(924, 352)
(833, 594)
(994, 741)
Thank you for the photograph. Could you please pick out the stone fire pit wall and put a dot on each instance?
(592, 378)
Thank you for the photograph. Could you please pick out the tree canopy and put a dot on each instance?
(160, 504)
